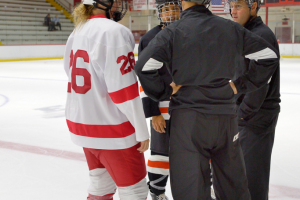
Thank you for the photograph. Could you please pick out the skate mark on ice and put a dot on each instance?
(290, 93)
(34, 79)
(53, 111)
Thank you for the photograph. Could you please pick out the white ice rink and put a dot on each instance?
(38, 161)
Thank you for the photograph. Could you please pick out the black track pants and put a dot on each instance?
(257, 145)
(194, 139)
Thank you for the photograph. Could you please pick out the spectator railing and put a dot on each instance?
(65, 4)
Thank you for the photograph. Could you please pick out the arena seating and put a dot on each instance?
(21, 22)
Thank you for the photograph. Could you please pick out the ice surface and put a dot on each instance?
(39, 161)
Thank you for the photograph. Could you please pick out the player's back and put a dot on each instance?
(93, 59)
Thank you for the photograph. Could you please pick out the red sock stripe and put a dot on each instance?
(125, 94)
(105, 197)
(101, 131)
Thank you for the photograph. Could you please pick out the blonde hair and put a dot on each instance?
(81, 14)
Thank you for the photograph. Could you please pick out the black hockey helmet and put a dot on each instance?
(204, 2)
(117, 8)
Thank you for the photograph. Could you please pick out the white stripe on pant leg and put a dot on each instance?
(152, 183)
(101, 182)
(157, 170)
(138, 191)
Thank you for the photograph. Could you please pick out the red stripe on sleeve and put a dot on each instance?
(164, 109)
(141, 89)
(101, 131)
(125, 94)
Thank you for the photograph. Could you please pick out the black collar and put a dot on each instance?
(196, 8)
(253, 23)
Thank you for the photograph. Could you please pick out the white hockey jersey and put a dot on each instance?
(103, 109)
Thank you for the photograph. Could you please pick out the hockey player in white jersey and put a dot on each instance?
(104, 111)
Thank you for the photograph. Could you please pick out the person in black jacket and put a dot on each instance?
(257, 111)
(168, 11)
(49, 23)
(203, 49)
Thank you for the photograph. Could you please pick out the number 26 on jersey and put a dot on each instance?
(85, 73)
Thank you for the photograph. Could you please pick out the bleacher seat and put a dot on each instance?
(21, 22)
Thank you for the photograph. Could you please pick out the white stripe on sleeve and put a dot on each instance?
(104, 143)
(152, 64)
(164, 104)
(263, 54)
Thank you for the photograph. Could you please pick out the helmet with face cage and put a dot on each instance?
(168, 11)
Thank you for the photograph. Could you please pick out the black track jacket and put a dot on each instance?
(151, 107)
(264, 102)
(203, 49)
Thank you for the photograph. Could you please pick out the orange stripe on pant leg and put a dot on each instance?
(158, 164)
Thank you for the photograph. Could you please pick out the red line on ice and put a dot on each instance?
(281, 191)
(42, 151)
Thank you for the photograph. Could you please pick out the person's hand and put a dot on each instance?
(233, 87)
(159, 123)
(175, 87)
(144, 146)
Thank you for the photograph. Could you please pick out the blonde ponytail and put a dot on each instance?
(81, 14)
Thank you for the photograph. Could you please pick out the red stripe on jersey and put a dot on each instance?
(69, 87)
(101, 131)
(97, 16)
(125, 94)
(163, 109)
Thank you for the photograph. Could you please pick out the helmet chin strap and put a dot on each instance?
(117, 16)
(251, 17)
(107, 9)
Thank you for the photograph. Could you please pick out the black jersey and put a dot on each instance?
(203, 49)
(151, 107)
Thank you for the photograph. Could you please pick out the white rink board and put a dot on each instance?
(48, 51)
(31, 51)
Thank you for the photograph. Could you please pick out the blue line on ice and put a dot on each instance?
(6, 100)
